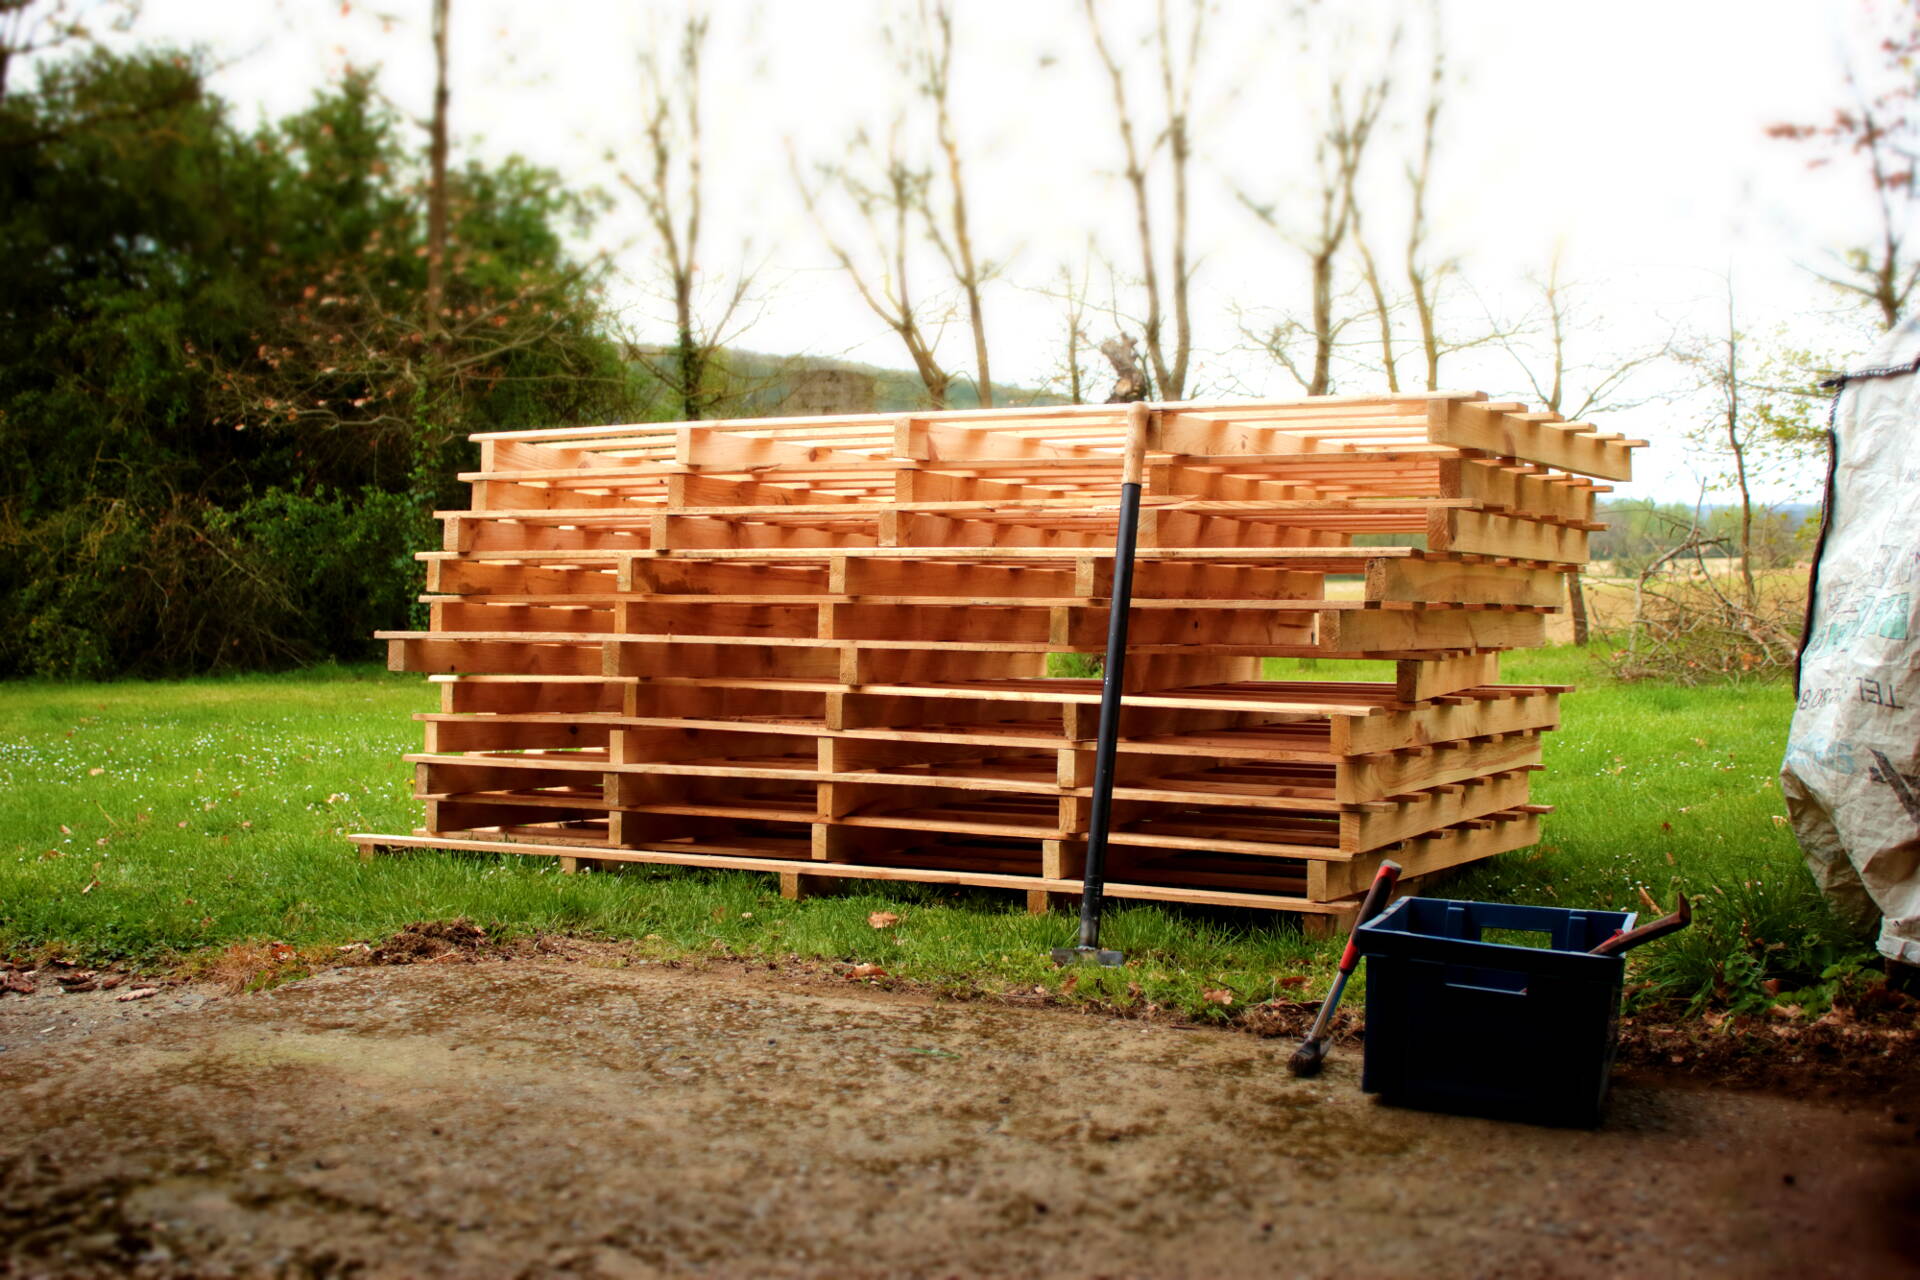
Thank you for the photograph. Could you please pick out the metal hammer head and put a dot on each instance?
(1088, 955)
(1307, 1059)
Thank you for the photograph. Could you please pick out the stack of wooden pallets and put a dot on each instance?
(821, 647)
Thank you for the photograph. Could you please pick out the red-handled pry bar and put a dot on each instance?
(1307, 1058)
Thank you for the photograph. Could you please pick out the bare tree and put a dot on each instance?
(671, 191)
(1539, 343)
(28, 27)
(1376, 288)
(889, 208)
(1880, 130)
(1177, 71)
(1338, 154)
(1071, 376)
(1423, 276)
(954, 239)
(1740, 438)
(437, 177)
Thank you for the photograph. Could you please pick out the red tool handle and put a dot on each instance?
(1660, 928)
(1370, 906)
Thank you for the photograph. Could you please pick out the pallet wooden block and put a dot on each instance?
(820, 647)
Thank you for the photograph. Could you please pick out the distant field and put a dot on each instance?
(151, 821)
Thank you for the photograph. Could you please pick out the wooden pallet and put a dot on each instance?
(819, 647)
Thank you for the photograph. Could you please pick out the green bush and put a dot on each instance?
(106, 589)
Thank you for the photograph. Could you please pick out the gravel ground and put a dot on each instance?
(535, 1117)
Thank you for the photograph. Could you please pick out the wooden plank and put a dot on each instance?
(1419, 681)
(1379, 777)
(1507, 433)
(1477, 533)
(1408, 817)
(1387, 631)
(1444, 722)
(368, 841)
(1433, 581)
(1426, 855)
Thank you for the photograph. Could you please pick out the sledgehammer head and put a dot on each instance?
(1307, 1058)
(1088, 955)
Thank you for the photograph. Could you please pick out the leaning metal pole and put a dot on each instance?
(1113, 682)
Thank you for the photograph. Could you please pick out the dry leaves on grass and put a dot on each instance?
(1220, 996)
(883, 920)
(866, 971)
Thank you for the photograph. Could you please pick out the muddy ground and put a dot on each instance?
(545, 1117)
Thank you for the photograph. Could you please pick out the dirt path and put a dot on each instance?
(537, 1118)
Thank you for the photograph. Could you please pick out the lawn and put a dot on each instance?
(156, 823)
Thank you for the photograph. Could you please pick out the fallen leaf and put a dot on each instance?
(1293, 980)
(95, 772)
(1220, 996)
(1771, 986)
(1073, 980)
(1785, 1011)
(17, 982)
(867, 971)
(883, 920)
(280, 950)
(138, 993)
(92, 885)
(1133, 991)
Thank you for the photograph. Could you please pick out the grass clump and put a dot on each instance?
(145, 822)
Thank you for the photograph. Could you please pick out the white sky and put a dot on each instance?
(1631, 132)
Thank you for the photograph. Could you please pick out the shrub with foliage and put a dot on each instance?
(224, 417)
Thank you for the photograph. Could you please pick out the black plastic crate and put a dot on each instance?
(1456, 1022)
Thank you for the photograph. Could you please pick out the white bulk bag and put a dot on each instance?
(1853, 751)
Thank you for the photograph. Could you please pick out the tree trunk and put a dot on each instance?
(1577, 606)
(1322, 325)
(437, 176)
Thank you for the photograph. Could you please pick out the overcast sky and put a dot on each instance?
(1631, 133)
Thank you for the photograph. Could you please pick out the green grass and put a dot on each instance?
(146, 822)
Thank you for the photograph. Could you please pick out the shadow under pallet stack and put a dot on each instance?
(820, 647)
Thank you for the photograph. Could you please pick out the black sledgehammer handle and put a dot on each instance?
(1093, 881)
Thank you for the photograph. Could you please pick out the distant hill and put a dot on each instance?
(767, 385)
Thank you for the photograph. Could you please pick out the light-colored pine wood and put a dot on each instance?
(818, 646)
